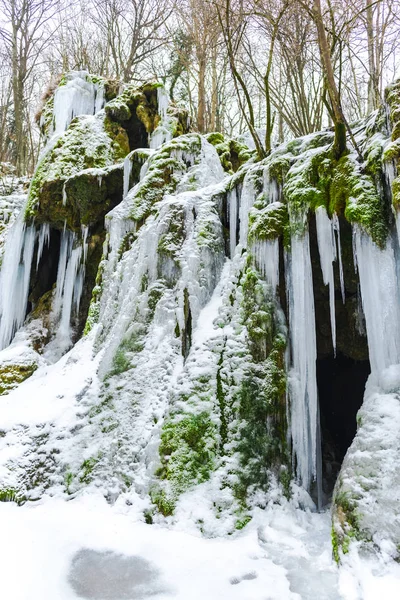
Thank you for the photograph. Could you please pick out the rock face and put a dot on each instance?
(232, 313)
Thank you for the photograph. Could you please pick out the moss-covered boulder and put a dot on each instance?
(232, 153)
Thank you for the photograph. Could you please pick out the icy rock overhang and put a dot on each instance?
(78, 180)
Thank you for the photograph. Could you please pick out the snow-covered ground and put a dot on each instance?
(85, 548)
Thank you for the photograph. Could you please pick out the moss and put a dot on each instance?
(85, 145)
(170, 242)
(307, 183)
(154, 295)
(241, 523)
(232, 153)
(11, 495)
(261, 398)
(68, 480)
(87, 467)
(12, 375)
(141, 102)
(223, 429)
(278, 167)
(122, 360)
(356, 192)
(119, 137)
(164, 172)
(346, 524)
(342, 187)
(268, 222)
(187, 450)
(165, 505)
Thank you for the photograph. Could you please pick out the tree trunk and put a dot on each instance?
(373, 96)
(214, 90)
(339, 121)
(201, 91)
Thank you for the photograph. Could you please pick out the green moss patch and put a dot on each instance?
(12, 375)
(188, 450)
(232, 153)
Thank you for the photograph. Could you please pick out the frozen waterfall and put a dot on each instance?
(302, 377)
(79, 96)
(380, 299)
(14, 279)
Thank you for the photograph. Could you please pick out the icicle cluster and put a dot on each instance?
(232, 204)
(79, 96)
(69, 286)
(302, 378)
(15, 275)
(379, 285)
(162, 133)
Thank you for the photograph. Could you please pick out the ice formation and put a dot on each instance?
(380, 299)
(232, 204)
(327, 253)
(79, 96)
(266, 255)
(302, 375)
(163, 132)
(14, 278)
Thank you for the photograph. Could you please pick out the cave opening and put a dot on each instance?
(341, 384)
(45, 275)
(341, 377)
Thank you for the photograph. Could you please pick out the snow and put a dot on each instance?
(86, 548)
(370, 474)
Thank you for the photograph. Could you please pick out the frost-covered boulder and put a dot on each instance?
(366, 503)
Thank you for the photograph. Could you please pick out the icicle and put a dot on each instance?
(302, 378)
(78, 287)
(14, 278)
(143, 170)
(99, 180)
(44, 238)
(64, 194)
(162, 133)
(380, 299)
(127, 174)
(266, 254)
(77, 97)
(99, 102)
(67, 240)
(85, 231)
(270, 188)
(327, 253)
(68, 290)
(336, 227)
(390, 172)
(162, 102)
(247, 199)
(232, 201)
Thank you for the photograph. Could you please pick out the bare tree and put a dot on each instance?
(134, 30)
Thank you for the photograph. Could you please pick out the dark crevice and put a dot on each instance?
(44, 277)
(341, 383)
(187, 331)
(137, 134)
